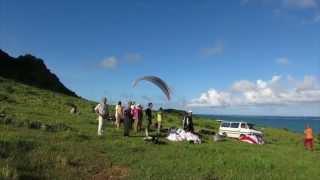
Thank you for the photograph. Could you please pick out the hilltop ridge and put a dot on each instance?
(31, 70)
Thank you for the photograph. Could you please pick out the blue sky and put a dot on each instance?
(98, 48)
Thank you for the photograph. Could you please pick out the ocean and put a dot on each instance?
(295, 124)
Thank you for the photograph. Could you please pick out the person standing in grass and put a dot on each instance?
(159, 119)
(140, 116)
(308, 138)
(133, 107)
(148, 112)
(135, 117)
(102, 111)
(127, 119)
(187, 122)
(119, 114)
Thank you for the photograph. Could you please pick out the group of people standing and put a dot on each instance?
(131, 116)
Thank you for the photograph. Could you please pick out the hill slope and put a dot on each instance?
(39, 139)
(32, 71)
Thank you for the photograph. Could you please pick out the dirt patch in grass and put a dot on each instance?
(112, 173)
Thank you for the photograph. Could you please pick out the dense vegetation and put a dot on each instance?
(40, 139)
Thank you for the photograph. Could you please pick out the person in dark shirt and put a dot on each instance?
(148, 118)
(140, 117)
(187, 122)
(127, 119)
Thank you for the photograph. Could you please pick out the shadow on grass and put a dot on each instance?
(8, 148)
(34, 124)
(15, 152)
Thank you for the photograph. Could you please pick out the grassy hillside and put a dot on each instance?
(40, 139)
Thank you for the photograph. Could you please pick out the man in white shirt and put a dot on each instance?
(102, 111)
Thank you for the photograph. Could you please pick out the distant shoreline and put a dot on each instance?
(241, 115)
(291, 123)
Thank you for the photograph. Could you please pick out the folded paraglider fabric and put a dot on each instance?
(251, 139)
(181, 135)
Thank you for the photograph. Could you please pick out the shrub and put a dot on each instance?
(34, 125)
(7, 172)
(3, 97)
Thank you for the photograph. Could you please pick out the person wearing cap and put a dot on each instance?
(187, 122)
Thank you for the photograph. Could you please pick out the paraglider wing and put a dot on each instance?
(157, 81)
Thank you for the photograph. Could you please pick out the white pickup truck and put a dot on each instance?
(237, 129)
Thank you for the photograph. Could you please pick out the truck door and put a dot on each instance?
(235, 130)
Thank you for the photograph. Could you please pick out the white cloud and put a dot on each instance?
(308, 83)
(277, 91)
(109, 63)
(113, 61)
(283, 61)
(213, 98)
(243, 85)
(301, 3)
(216, 49)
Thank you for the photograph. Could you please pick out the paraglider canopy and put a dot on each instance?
(158, 82)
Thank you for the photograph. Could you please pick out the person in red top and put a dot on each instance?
(308, 138)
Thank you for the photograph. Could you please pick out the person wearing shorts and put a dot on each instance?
(308, 138)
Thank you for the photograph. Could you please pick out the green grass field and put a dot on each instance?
(40, 139)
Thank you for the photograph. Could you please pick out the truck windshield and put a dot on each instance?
(225, 124)
(235, 125)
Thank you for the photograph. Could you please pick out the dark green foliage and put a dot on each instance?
(208, 126)
(31, 124)
(3, 97)
(34, 125)
(34, 93)
(206, 132)
(9, 89)
(55, 127)
(70, 104)
(170, 120)
(5, 120)
(175, 111)
(7, 148)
